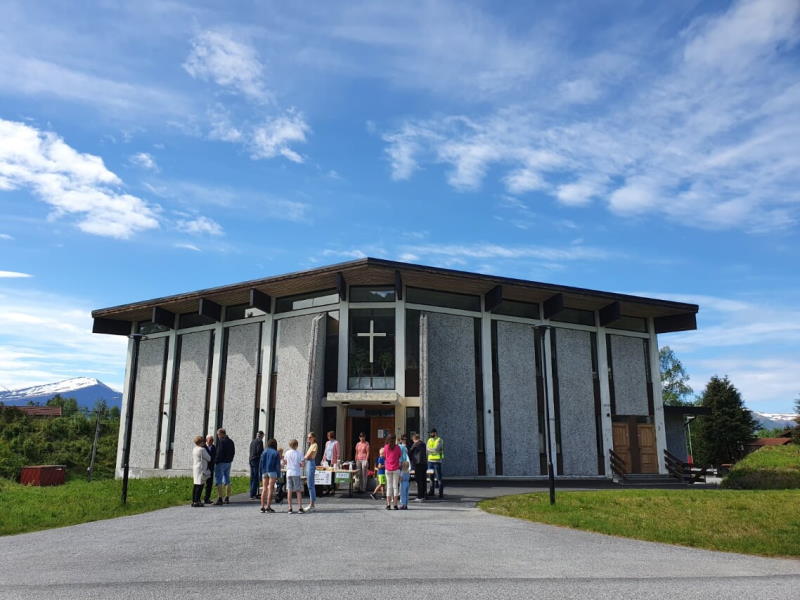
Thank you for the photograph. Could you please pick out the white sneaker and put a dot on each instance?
(309, 508)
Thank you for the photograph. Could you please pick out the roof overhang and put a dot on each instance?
(363, 398)
(668, 315)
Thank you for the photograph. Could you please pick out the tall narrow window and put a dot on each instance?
(371, 356)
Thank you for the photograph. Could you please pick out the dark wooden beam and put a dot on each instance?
(398, 285)
(609, 313)
(210, 309)
(341, 286)
(493, 298)
(553, 305)
(682, 322)
(260, 300)
(163, 317)
(112, 326)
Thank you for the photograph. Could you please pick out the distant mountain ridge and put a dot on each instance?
(85, 390)
(775, 420)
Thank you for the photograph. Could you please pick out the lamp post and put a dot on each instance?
(548, 434)
(126, 445)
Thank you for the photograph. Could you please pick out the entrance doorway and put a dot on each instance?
(377, 423)
(635, 443)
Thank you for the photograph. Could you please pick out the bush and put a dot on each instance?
(770, 468)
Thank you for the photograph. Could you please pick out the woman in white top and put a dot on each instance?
(200, 470)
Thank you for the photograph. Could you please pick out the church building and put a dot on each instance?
(498, 366)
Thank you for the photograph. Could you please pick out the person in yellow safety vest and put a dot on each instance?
(435, 447)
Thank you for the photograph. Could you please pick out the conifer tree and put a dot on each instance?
(721, 436)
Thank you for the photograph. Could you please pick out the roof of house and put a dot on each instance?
(376, 271)
(778, 441)
(40, 411)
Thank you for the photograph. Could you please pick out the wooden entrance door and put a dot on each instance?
(379, 428)
(622, 443)
(635, 443)
(648, 455)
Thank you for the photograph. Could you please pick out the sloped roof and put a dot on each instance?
(376, 271)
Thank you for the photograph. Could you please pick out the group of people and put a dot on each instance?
(392, 468)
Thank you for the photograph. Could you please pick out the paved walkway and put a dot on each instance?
(354, 548)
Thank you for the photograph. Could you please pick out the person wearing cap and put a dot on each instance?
(435, 448)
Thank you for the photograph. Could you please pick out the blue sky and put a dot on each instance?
(160, 147)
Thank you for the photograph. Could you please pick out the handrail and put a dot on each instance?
(617, 464)
(675, 466)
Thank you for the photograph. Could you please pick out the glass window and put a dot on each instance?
(412, 421)
(242, 311)
(412, 352)
(575, 315)
(446, 299)
(146, 327)
(332, 353)
(371, 349)
(630, 324)
(518, 309)
(372, 293)
(309, 300)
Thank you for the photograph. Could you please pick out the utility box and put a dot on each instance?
(43, 475)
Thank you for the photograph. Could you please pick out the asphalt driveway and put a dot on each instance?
(354, 548)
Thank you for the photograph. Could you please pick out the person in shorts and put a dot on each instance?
(293, 461)
(380, 473)
(269, 468)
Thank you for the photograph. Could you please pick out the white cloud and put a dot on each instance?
(579, 91)
(144, 161)
(5, 236)
(72, 183)
(273, 136)
(199, 225)
(354, 254)
(39, 346)
(217, 57)
(23, 75)
(186, 246)
(13, 275)
(708, 140)
(495, 251)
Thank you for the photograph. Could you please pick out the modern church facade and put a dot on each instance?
(379, 346)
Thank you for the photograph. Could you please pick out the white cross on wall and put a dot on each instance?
(371, 335)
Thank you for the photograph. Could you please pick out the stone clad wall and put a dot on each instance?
(576, 401)
(147, 399)
(630, 376)
(241, 371)
(190, 400)
(448, 388)
(519, 413)
(300, 364)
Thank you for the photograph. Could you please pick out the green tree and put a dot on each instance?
(721, 436)
(69, 406)
(675, 389)
(796, 432)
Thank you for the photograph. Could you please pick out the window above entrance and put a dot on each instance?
(371, 357)
(371, 293)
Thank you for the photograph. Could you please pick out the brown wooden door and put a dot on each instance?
(379, 428)
(648, 455)
(622, 443)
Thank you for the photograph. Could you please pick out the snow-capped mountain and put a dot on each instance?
(775, 420)
(86, 390)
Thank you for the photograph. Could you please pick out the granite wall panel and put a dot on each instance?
(300, 358)
(519, 420)
(241, 372)
(576, 402)
(449, 387)
(190, 397)
(147, 399)
(630, 375)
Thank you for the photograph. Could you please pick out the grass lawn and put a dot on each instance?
(773, 467)
(765, 522)
(27, 508)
